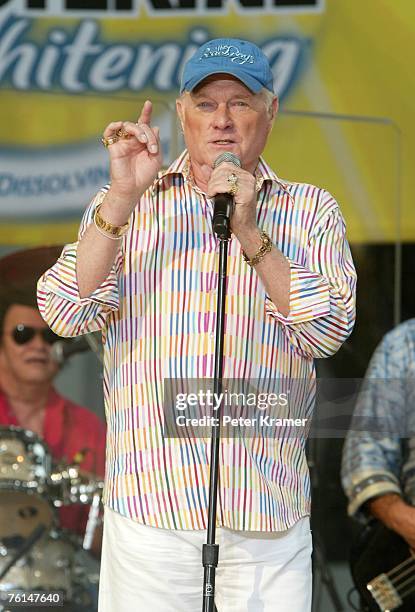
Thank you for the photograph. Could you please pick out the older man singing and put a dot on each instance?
(144, 271)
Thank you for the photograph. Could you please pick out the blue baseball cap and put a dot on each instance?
(240, 58)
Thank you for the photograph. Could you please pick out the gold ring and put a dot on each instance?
(233, 182)
(109, 141)
(233, 189)
(123, 134)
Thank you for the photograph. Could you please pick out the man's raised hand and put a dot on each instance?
(135, 155)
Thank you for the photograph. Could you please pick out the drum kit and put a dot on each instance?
(36, 554)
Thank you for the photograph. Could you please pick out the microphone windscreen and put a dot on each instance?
(228, 157)
(63, 349)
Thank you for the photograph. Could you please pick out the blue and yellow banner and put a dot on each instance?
(67, 68)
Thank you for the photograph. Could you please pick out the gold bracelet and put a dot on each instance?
(115, 232)
(265, 248)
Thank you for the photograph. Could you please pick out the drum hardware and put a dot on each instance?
(76, 486)
(64, 485)
(23, 549)
(93, 519)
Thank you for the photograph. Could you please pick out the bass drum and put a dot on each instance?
(25, 466)
(53, 564)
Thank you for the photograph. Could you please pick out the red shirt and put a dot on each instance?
(68, 428)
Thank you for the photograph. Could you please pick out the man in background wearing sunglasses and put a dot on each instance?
(28, 399)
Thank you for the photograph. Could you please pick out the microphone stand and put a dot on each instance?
(210, 553)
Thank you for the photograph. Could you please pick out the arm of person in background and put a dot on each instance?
(396, 514)
(81, 289)
(372, 465)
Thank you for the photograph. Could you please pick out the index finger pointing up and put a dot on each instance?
(146, 111)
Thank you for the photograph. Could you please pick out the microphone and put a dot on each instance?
(61, 350)
(223, 202)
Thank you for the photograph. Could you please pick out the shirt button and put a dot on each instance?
(212, 336)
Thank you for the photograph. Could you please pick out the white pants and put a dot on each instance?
(145, 569)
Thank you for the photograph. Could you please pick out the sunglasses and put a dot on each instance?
(25, 333)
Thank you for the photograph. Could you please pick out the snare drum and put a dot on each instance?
(25, 465)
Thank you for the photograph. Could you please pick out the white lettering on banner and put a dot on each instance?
(50, 183)
(79, 60)
(156, 8)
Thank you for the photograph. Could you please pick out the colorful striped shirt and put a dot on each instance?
(157, 313)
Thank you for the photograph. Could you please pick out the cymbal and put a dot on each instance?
(20, 271)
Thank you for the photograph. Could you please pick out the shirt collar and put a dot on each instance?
(263, 172)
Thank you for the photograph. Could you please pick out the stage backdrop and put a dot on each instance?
(342, 71)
